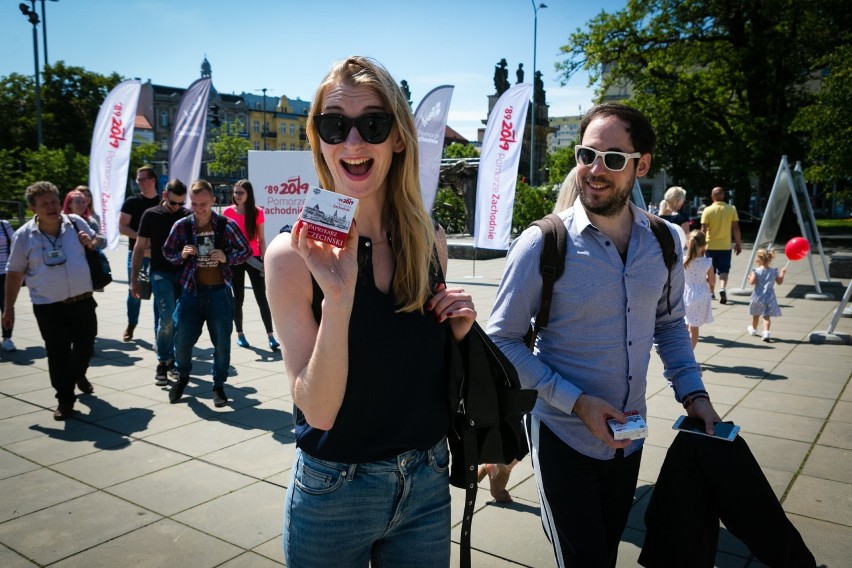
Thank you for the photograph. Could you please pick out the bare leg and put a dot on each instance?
(693, 336)
(766, 323)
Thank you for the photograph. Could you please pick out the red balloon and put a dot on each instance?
(797, 248)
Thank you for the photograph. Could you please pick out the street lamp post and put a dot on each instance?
(33, 18)
(44, 30)
(263, 130)
(532, 120)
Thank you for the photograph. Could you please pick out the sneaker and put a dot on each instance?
(765, 336)
(85, 386)
(241, 340)
(723, 297)
(713, 296)
(176, 392)
(161, 377)
(273, 344)
(751, 331)
(219, 397)
(8, 345)
(174, 374)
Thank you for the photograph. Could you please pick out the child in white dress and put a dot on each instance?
(698, 278)
(763, 301)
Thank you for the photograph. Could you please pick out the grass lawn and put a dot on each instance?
(834, 226)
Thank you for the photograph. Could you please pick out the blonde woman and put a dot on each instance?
(362, 330)
(567, 193)
(671, 208)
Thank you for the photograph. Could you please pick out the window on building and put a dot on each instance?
(293, 147)
(283, 129)
(256, 145)
(257, 126)
(292, 128)
(164, 142)
(164, 118)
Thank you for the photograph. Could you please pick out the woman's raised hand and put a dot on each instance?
(335, 269)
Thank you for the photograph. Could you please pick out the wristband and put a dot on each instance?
(692, 397)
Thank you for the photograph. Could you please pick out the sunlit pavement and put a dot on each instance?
(134, 480)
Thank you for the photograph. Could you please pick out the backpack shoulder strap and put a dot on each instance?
(666, 240)
(551, 265)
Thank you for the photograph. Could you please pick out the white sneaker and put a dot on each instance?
(751, 330)
(765, 336)
(8, 345)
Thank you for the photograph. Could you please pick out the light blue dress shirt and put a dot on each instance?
(605, 317)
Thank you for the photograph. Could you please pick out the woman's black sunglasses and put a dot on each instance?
(374, 127)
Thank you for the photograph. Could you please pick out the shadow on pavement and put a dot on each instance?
(137, 420)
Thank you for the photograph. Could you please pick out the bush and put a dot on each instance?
(531, 204)
(449, 211)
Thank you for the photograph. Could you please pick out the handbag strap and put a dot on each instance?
(471, 459)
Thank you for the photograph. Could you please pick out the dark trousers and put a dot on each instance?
(69, 332)
(584, 501)
(258, 285)
(7, 333)
(702, 481)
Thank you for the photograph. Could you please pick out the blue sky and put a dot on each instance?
(287, 46)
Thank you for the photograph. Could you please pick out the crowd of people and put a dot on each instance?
(371, 414)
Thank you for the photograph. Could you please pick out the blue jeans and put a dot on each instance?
(166, 288)
(387, 513)
(135, 304)
(211, 304)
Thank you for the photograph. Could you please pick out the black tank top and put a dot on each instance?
(396, 396)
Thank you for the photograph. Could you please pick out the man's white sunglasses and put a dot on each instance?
(615, 161)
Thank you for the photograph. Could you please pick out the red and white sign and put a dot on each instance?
(281, 181)
(110, 156)
(498, 168)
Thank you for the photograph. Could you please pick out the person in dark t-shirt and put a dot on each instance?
(128, 224)
(153, 231)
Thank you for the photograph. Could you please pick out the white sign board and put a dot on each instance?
(281, 181)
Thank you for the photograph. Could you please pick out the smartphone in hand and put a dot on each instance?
(722, 430)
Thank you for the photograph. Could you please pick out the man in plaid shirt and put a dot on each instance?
(205, 244)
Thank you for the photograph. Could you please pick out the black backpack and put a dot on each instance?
(552, 263)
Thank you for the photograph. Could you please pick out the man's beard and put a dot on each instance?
(612, 205)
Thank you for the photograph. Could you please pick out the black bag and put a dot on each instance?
(143, 279)
(98, 265)
(488, 406)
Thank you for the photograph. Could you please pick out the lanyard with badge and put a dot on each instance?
(55, 256)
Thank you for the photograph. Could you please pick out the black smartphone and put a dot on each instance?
(722, 430)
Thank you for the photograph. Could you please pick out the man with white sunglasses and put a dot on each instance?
(590, 362)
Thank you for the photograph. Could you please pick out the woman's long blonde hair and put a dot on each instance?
(412, 231)
(697, 239)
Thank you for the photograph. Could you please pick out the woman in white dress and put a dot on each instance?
(699, 277)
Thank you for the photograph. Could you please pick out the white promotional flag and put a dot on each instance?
(187, 139)
(110, 156)
(498, 168)
(431, 120)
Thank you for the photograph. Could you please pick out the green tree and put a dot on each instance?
(531, 204)
(141, 155)
(827, 122)
(456, 150)
(71, 98)
(229, 149)
(10, 179)
(721, 80)
(448, 210)
(559, 163)
(63, 167)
